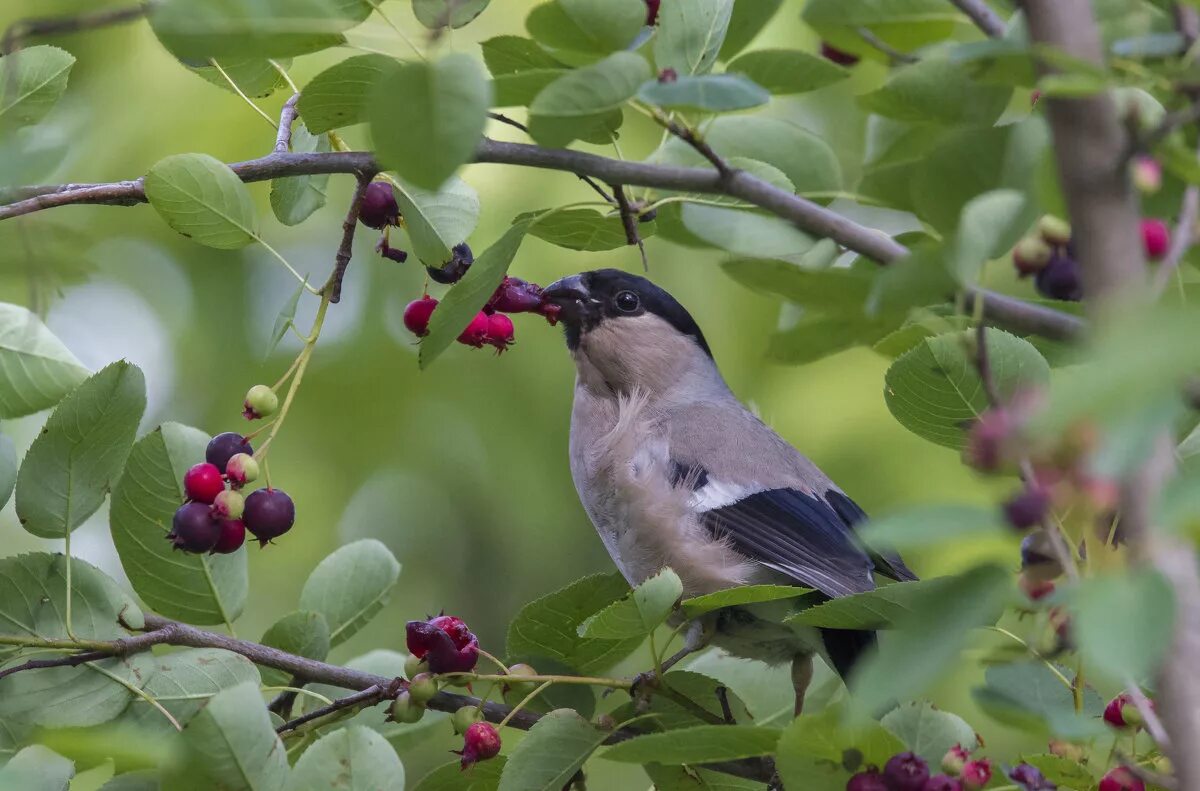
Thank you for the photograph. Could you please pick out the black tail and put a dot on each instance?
(845, 647)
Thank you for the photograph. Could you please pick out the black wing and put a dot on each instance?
(797, 534)
(889, 563)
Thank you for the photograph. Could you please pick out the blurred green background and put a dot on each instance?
(460, 470)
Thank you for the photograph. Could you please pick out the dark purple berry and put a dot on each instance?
(1028, 508)
(1029, 778)
(269, 513)
(224, 446)
(648, 216)
(515, 295)
(193, 529)
(391, 253)
(942, 783)
(870, 780)
(379, 208)
(233, 535)
(652, 11)
(906, 772)
(830, 52)
(453, 270)
(1059, 279)
(444, 643)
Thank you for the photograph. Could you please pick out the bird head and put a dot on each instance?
(627, 332)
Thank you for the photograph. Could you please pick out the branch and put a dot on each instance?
(894, 55)
(287, 117)
(22, 29)
(983, 16)
(342, 260)
(504, 119)
(368, 696)
(630, 221)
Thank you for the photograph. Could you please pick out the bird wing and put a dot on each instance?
(889, 563)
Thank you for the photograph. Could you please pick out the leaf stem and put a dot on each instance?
(238, 91)
(301, 365)
(591, 681)
(303, 280)
(67, 553)
(299, 691)
(403, 37)
(283, 73)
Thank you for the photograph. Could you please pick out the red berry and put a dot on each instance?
(224, 446)
(942, 783)
(652, 11)
(870, 780)
(417, 313)
(1156, 238)
(379, 206)
(906, 772)
(480, 742)
(514, 295)
(476, 332)
(830, 52)
(444, 643)
(457, 628)
(203, 483)
(1031, 255)
(233, 535)
(1121, 779)
(1030, 778)
(269, 513)
(1029, 507)
(976, 774)
(1113, 714)
(193, 528)
(500, 331)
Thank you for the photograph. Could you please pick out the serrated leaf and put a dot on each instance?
(712, 92)
(1062, 771)
(199, 589)
(231, 745)
(550, 754)
(74, 462)
(338, 96)
(548, 626)
(350, 586)
(469, 295)
(839, 290)
(350, 759)
(255, 77)
(746, 22)
(935, 391)
(283, 319)
(732, 597)
(608, 24)
(302, 633)
(690, 34)
(428, 118)
(927, 731)
(698, 745)
(8, 469)
(436, 221)
(435, 14)
(295, 198)
(640, 613)
(668, 714)
(904, 24)
(1123, 623)
(787, 71)
(33, 592)
(938, 90)
(933, 525)
(37, 768)
(990, 225)
(31, 81)
(812, 750)
(1033, 695)
(36, 369)
(201, 198)
(881, 608)
(582, 229)
(183, 681)
(744, 232)
(513, 54)
(574, 103)
(520, 88)
(484, 776)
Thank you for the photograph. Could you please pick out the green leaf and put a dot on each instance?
(33, 594)
(1062, 771)
(231, 745)
(930, 638)
(436, 221)
(640, 613)
(991, 224)
(520, 88)
(786, 71)
(196, 30)
(37, 768)
(746, 22)
(201, 198)
(255, 77)
(468, 296)
(36, 369)
(513, 54)
(701, 690)
(839, 290)
(71, 697)
(1123, 623)
(576, 101)
(690, 35)
(747, 233)
(1032, 696)
(816, 336)
(934, 390)
(31, 81)
(712, 92)
(133, 781)
(428, 118)
(927, 731)
(338, 96)
(579, 698)
(284, 319)
(732, 597)
(923, 527)
(813, 750)
(74, 462)
(904, 24)
(549, 626)
(690, 778)
(436, 14)
(610, 24)
(698, 745)
(199, 589)
(350, 759)
(550, 754)
(484, 776)
(302, 633)
(881, 608)
(295, 198)
(581, 229)
(8, 469)
(350, 586)
(183, 681)
(937, 90)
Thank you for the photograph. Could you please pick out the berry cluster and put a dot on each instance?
(215, 515)
(491, 326)
(1049, 254)
(910, 772)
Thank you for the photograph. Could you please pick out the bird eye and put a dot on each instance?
(627, 301)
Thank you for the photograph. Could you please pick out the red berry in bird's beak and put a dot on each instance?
(193, 528)
(229, 505)
(269, 513)
(1121, 779)
(233, 535)
(480, 742)
(500, 331)
(241, 469)
(1033, 587)
(1156, 238)
(202, 483)
(906, 772)
(379, 207)
(417, 313)
(260, 402)
(830, 52)
(476, 333)
(514, 295)
(976, 774)
(223, 447)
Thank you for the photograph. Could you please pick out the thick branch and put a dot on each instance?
(982, 15)
(287, 117)
(342, 259)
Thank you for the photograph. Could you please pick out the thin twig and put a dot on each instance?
(287, 117)
(342, 259)
(689, 136)
(630, 221)
(281, 704)
(895, 55)
(17, 33)
(983, 16)
(371, 695)
(66, 661)
(726, 711)
(504, 119)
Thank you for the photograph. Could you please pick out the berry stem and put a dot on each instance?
(503, 667)
(301, 364)
(283, 73)
(300, 691)
(591, 681)
(524, 702)
(388, 20)
(212, 62)
(299, 278)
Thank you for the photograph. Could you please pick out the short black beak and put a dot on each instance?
(567, 292)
